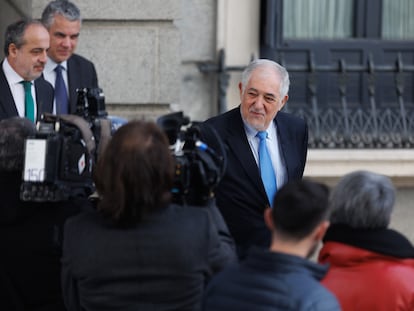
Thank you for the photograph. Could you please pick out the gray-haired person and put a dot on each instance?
(63, 20)
(256, 128)
(371, 265)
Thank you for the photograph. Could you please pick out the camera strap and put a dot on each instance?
(81, 124)
(105, 135)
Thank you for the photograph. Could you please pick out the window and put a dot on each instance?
(397, 21)
(317, 19)
(351, 65)
(344, 19)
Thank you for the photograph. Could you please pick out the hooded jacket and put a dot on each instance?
(370, 269)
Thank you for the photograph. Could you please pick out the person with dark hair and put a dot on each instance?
(265, 146)
(30, 232)
(371, 265)
(65, 70)
(282, 277)
(26, 43)
(138, 251)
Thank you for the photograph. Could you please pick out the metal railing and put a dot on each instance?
(343, 125)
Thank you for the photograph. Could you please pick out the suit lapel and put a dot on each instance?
(285, 142)
(73, 82)
(238, 144)
(41, 99)
(7, 104)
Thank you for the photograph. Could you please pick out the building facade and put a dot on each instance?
(158, 56)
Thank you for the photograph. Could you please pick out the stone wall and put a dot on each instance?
(136, 50)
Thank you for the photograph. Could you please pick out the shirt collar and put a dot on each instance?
(51, 65)
(11, 75)
(251, 132)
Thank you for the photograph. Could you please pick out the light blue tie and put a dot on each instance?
(266, 168)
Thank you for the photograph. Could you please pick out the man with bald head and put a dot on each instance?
(26, 44)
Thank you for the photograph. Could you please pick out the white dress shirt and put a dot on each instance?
(17, 89)
(273, 147)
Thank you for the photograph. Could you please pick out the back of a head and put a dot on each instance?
(363, 200)
(13, 133)
(134, 175)
(61, 7)
(299, 207)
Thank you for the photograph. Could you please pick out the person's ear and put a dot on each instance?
(268, 218)
(12, 49)
(320, 230)
(240, 90)
(283, 102)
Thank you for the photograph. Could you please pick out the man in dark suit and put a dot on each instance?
(63, 20)
(25, 48)
(241, 194)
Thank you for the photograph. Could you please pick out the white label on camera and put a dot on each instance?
(35, 160)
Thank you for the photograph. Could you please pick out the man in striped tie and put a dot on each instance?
(26, 43)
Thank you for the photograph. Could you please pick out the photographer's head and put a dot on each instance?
(134, 175)
(13, 132)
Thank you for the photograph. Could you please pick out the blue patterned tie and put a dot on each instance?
(28, 100)
(266, 168)
(61, 94)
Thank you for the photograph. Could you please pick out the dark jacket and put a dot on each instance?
(369, 269)
(270, 281)
(81, 74)
(161, 263)
(241, 196)
(31, 247)
(44, 97)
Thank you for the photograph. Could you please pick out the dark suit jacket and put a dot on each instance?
(44, 97)
(161, 263)
(81, 74)
(240, 195)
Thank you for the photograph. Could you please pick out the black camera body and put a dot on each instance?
(198, 168)
(57, 164)
(90, 103)
(59, 159)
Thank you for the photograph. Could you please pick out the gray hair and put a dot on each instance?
(280, 71)
(60, 7)
(15, 33)
(13, 133)
(363, 199)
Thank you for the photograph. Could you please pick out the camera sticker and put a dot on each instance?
(35, 159)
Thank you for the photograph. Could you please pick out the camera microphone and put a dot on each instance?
(204, 147)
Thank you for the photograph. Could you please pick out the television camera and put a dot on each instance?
(60, 157)
(198, 168)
